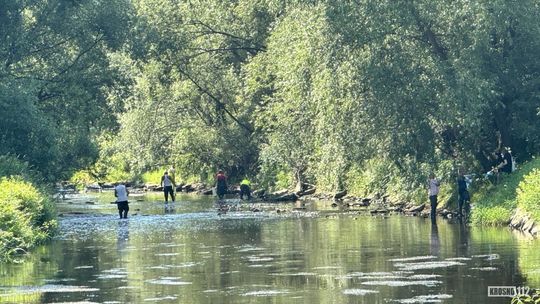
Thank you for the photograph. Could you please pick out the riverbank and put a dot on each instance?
(27, 217)
(513, 200)
(27, 211)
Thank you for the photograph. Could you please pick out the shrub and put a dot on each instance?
(82, 178)
(528, 194)
(26, 217)
(153, 177)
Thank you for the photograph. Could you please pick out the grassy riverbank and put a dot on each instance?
(494, 204)
(27, 216)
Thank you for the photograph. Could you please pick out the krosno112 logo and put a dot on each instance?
(519, 294)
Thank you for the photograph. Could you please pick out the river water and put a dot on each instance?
(188, 252)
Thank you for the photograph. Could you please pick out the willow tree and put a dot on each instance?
(52, 78)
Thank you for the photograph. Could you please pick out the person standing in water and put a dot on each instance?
(463, 193)
(433, 191)
(121, 193)
(167, 183)
(245, 188)
(221, 184)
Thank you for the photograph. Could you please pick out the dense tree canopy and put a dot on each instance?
(316, 91)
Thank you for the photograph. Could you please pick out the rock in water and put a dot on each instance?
(340, 194)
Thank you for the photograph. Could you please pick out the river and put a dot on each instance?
(188, 253)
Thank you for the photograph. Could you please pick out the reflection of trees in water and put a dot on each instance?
(316, 253)
(435, 243)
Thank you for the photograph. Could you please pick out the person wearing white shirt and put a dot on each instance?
(167, 183)
(121, 193)
(433, 191)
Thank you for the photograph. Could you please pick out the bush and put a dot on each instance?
(153, 177)
(26, 217)
(13, 166)
(82, 178)
(528, 194)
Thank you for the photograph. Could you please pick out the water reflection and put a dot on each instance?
(122, 235)
(435, 243)
(194, 255)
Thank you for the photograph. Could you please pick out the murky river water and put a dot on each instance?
(188, 253)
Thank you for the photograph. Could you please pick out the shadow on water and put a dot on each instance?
(187, 252)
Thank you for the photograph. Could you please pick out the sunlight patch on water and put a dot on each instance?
(458, 259)
(250, 248)
(427, 265)
(160, 299)
(168, 281)
(260, 265)
(416, 258)
(265, 293)
(484, 268)
(166, 254)
(375, 275)
(50, 288)
(428, 283)
(358, 292)
(259, 259)
(298, 274)
(327, 267)
(84, 267)
(115, 273)
(426, 299)
(487, 257)
(424, 276)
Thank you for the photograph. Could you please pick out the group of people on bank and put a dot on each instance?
(503, 162)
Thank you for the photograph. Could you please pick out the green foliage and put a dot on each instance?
(82, 178)
(528, 193)
(495, 203)
(153, 177)
(26, 217)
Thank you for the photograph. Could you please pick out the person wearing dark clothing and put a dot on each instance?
(245, 189)
(121, 194)
(221, 184)
(167, 183)
(506, 161)
(463, 194)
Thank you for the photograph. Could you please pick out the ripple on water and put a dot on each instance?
(296, 274)
(458, 259)
(160, 299)
(375, 275)
(428, 283)
(488, 257)
(484, 268)
(50, 288)
(168, 281)
(265, 293)
(84, 267)
(415, 258)
(358, 292)
(250, 248)
(427, 265)
(115, 273)
(426, 299)
(260, 259)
